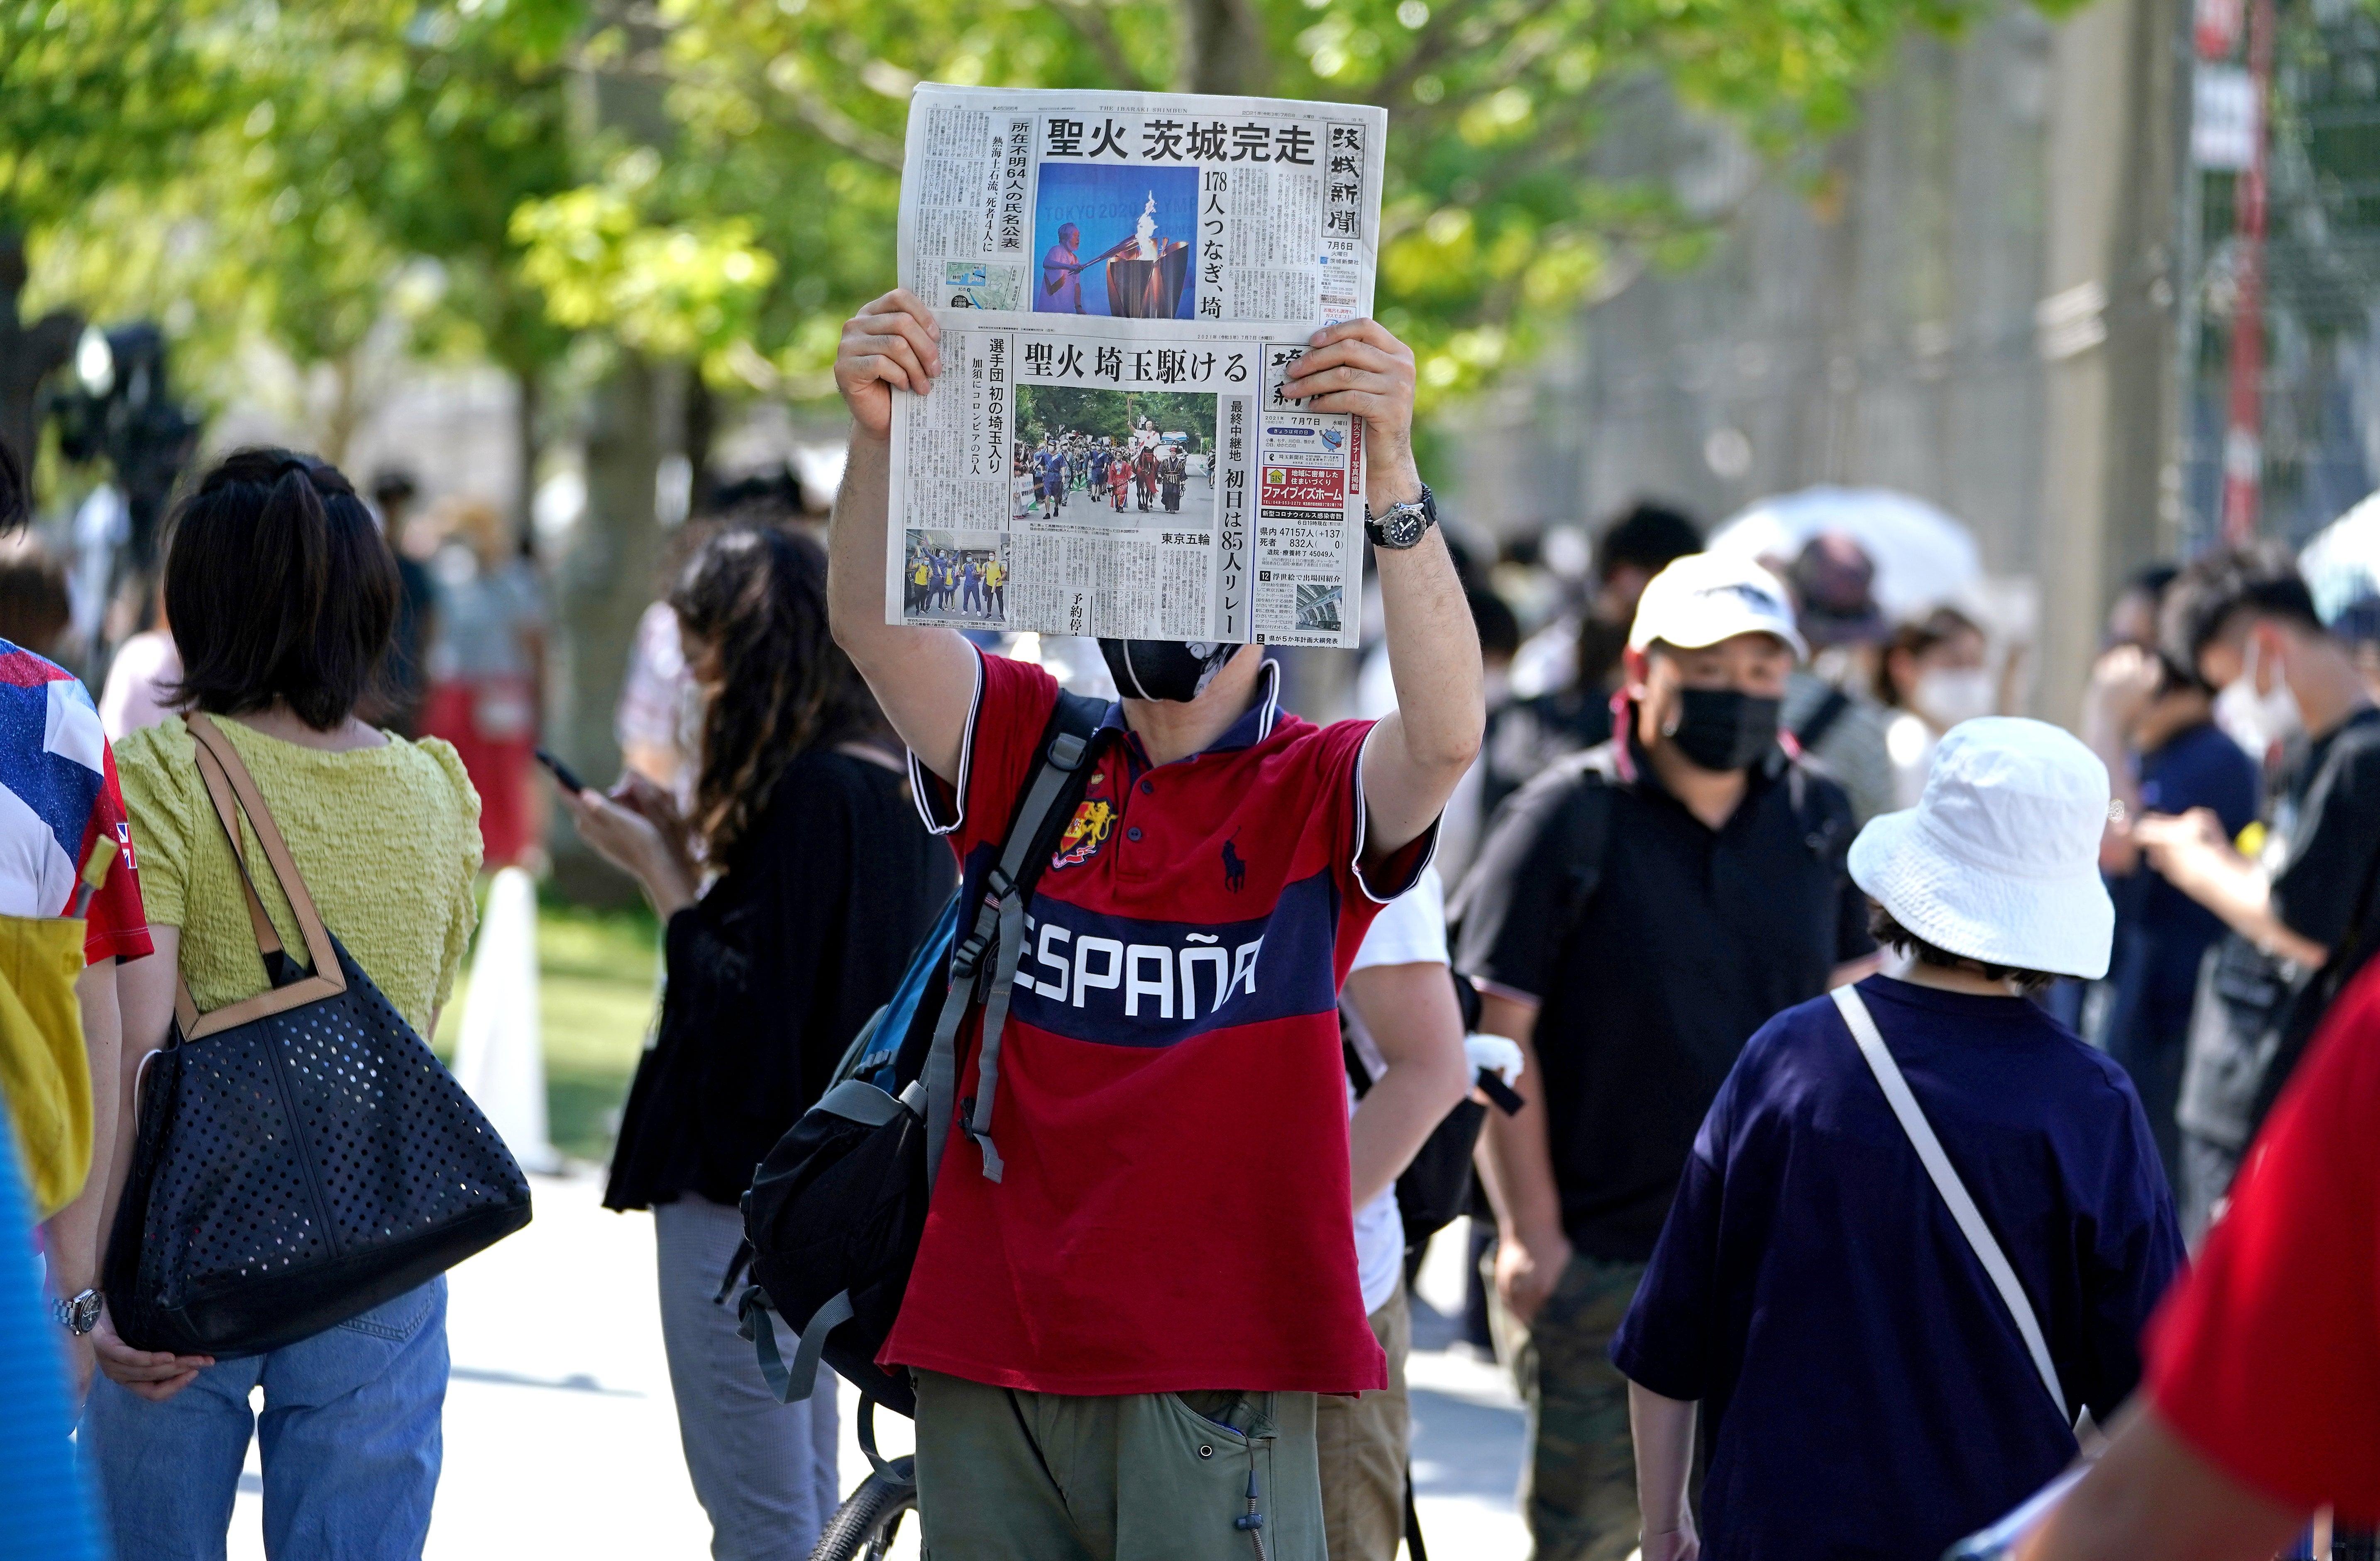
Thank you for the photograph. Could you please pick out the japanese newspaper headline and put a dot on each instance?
(1123, 280)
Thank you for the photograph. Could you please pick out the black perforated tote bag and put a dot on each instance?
(301, 1156)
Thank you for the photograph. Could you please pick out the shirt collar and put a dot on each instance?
(1252, 728)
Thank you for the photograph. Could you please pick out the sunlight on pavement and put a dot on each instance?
(561, 1439)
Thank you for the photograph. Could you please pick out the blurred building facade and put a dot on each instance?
(2005, 291)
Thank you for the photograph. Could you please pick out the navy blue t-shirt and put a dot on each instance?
(2165, 931)
(1864, 1390)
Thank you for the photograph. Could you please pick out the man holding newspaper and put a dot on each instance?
(1119, 1320)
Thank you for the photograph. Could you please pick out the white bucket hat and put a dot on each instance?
(1703, 599)
(1999, 860)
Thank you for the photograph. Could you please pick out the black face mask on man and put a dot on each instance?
(1165, 669)
(1722, 729)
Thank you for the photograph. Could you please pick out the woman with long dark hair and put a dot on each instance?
(283, 598)
(792, 892)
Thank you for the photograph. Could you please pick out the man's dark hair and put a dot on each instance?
(2207, 598)
(12, 490)
(1892, 934)
(280, 588)
(34, 610)
(394, 485)
(1650, 535)
(1500, 631)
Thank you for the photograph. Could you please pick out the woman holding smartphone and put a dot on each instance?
(791, 896)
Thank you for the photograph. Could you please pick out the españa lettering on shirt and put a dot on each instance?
(1121, 981)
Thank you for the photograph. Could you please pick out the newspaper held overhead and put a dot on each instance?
(1123, 280)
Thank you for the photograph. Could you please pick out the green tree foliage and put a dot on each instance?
(304, 165)
(1497, 216)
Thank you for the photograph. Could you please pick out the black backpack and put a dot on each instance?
(1436, 1187)
(834, 1214)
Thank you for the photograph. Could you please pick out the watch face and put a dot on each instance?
(1403, 528)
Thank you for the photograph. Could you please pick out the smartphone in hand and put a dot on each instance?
(562, 772)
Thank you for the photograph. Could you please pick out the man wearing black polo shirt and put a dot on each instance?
(1636, 912)
(1138, 1270)
(2245, 623)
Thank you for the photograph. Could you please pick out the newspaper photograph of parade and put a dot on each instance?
(959, 577)
(1090, 455)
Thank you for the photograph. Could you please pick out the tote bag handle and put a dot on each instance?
(233, 793)
(1946, 1182)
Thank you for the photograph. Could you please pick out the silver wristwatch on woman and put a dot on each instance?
(78, 1313)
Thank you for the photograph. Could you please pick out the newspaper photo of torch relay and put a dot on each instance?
(1116, 242)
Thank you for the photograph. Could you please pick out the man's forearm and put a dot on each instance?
(1663, 1430)
(1433, 655)
(855, 541)
(2238, 891)
(2152, 1494)
(71, 1236)
(1521, 1180)
(1409, 1012)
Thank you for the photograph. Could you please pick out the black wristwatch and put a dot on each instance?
(77, 1313)
(1404, 525)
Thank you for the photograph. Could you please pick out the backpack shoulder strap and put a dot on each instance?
(1822, 719)
(1588, 827)
(1058, 779)
(1946, 1182)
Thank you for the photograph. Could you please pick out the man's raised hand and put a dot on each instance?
(1358, 367)
(890, 343)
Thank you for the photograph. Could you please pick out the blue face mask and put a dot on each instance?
(1165, 669)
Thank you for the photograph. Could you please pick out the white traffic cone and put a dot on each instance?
(499, 1059)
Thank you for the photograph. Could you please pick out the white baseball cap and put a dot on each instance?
(1703, 599)
(1999, 860)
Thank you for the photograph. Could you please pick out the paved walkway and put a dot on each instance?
(561, 1441)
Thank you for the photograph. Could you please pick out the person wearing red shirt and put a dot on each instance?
(1137, 1277)
(2262, 1398)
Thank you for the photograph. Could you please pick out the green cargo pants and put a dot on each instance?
(1008, 1475)
(1578, 1486)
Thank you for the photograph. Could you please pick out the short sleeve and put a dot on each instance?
(2267, 1358)
(1395, 875)
(115, 924)
(1665, 1342)
(154, 784)
(468, 849)
(1410, 929)
(1012, 701)
(2338, 834)
(1508, 913)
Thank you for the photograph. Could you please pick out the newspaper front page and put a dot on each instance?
(1123, 280)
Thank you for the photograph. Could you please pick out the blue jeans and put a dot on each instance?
(349, 1439)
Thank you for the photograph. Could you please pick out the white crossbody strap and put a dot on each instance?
(1946, 1182)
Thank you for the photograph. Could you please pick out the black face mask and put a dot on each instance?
(1165, 669)
(1723, 729)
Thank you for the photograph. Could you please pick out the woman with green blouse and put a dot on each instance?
(283, 597)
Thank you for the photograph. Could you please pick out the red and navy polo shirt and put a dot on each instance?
(1172, 1106)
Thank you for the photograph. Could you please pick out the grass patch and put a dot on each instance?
(595, 998)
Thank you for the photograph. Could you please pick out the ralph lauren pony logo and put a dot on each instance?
(1235, 871)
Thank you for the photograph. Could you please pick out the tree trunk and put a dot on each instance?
(601, 587)
(27, 353)
(701, 432)
(526, 403)
(1224, 47)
